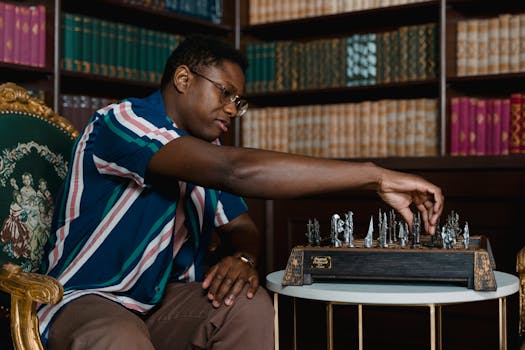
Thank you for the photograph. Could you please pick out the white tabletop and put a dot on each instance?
(392, 293)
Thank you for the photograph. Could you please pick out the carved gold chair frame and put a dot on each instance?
(26, 288)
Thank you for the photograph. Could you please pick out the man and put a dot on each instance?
(148, 183)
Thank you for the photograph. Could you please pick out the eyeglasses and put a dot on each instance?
(227, 96)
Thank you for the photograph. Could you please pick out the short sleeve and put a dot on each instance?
(229, 207)
(126, 136)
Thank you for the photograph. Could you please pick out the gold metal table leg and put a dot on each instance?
(432, 327)
(294, 324)
(329, 326)
(502, 323)
(360, 325)
(276, 321)
(439, 326)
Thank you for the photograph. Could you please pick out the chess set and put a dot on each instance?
(451, 255)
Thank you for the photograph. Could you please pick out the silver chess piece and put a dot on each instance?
(369, 235)
(336, 228)
(466, 236)
(348, 234)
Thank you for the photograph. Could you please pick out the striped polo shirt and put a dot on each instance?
(113, 234)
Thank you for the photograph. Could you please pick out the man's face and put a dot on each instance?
(208, 116)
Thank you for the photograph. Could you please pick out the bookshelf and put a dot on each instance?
(53, 81)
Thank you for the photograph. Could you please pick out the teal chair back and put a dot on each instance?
(35, 147)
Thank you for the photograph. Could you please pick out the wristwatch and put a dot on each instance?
(246, 258)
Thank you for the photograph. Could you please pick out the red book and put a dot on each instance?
(481, 126)
(9, 30)
(24, 47)
(522, 129)
(516, 115)
(505, 125)
(454, 126)
(473, 103)
(464, 115)
(42, 35)
(489, 138)
(35, 35)
(2, 29)
(17, 35)
(496, 127)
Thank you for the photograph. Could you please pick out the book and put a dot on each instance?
(461, 48)
(480, 127)
(496, 127)
(34, 33)
(516, 116)
(483, 46)
(493, 46)
(472, 54)
(463, 134)
(9, 32)
(504, 43)
(454, 126)
(505, 125)
(514, 43)
(24, 47)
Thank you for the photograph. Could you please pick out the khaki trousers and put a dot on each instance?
(184, 320)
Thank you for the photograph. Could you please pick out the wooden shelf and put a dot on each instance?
(488, 85)
(449, 163)
(383, 18)
(99, 85)
(152, 18)
(20, 72)
(410, 89)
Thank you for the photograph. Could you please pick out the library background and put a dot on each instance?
(430, 87)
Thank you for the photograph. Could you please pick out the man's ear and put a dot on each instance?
(181, 78)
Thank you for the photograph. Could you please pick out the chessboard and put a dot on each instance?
(472, 267)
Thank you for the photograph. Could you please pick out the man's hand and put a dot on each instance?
(401, 190)
(227, 279)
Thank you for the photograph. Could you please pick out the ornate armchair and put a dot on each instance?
(35, 146)
(520, 269)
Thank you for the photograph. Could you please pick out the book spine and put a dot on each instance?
(522, 42)
(431, 129)
(67, 41)
(454, 125)
(472, 47)
(464, 112)
(514, 44)
(95, 46)
(493, 46)
(9, 33)
(483, 46)
(504, 43)
(25, 36)
(461, 48)
(481, 126)
(505, 126)
(515, 123)
(496, 127)
(34, 27)
(87, 44)
(522, 124)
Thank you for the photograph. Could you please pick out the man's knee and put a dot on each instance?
(260, 305)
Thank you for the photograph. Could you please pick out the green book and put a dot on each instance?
(252, 68)
(387, 57)
(151, 55)
(395, 56)
(87, 43)
(77, 43)
(371, 51)
(432, 57)
(95, 45)
(67, 41)
(131, 60)
(402, 73)
(143, 54)
(113, 48)
(121, 50)
(380, 77)
(413, 54)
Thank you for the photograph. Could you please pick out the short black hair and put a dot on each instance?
(201, 50)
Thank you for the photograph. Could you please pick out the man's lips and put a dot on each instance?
(223, 124)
